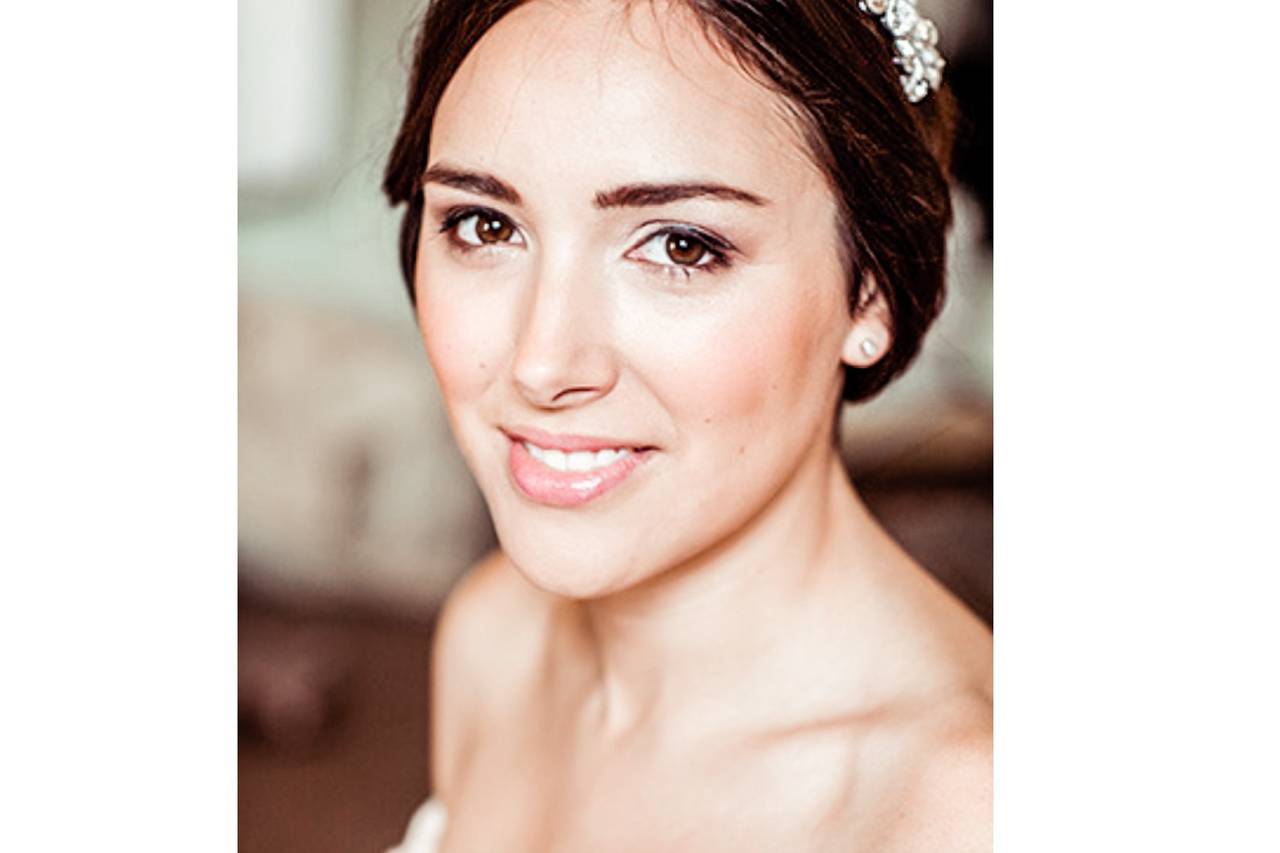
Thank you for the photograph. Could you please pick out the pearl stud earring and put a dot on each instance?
(868, 347)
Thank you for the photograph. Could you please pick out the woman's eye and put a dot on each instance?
(482, 228)
(680, 249)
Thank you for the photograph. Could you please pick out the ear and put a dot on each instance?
(870, 328)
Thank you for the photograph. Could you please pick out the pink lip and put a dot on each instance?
(567, 443)
(548, 486)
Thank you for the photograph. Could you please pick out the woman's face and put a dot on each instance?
(630, 289)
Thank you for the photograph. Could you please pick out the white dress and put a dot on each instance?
(426, 829)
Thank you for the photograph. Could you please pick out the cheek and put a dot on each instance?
(463, 338)
(739, 371)
(729, 377)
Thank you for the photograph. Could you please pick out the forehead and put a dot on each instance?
(614, 91)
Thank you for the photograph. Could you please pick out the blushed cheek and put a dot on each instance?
(726, 380)
(734, 380)
(463, 341)
(751, 373)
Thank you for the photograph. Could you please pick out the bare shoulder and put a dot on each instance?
(912, 776)
(953, 796)
(483, 630)
(491, 599)
(939, 799)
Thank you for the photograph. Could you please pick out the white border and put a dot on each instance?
(1136, 311)
(119, 216)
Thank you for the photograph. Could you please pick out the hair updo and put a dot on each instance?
(887, 160)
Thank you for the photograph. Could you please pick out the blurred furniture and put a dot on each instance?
(350, 488)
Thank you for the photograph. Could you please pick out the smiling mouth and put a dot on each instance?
(560, 477)
(577, 461)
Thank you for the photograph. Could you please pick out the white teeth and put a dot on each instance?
(578, 461)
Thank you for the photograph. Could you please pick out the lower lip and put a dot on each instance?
(568, 488)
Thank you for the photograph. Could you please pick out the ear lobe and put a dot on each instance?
(870, 329)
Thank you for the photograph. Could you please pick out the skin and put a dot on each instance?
(726, 651)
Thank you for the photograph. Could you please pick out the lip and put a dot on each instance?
(550, 487)
(569, 443)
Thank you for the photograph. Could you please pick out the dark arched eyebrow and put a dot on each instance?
(627, 195)
(653, 195)
(473, 182)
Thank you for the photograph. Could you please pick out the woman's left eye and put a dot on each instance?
(682, 250)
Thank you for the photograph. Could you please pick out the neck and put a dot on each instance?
(706, 629)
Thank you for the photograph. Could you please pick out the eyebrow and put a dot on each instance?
(627, 195)
(653, 195)
(473, 182)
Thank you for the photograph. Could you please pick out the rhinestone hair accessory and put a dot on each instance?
(915, 39)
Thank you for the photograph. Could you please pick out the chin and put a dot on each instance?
(552, 556)
(581, 552)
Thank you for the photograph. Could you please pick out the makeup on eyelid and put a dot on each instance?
(709, 251)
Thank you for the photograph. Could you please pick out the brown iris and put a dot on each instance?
(491, 229)
(685, 250)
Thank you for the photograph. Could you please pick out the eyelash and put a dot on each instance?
(717, 249)
(457, 215)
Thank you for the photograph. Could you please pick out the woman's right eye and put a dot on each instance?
(476, 228)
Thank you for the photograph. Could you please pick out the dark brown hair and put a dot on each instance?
(887, 160)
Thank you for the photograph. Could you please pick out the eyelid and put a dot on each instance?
(457, 214)
(667, 226)
(719, 248)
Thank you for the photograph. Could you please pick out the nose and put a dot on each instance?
(564, 357)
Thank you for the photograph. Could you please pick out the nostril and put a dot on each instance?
(558, 370)
(569, 392)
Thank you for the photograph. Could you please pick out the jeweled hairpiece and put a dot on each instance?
(915, 39)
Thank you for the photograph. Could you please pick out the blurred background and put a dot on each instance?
(356, 513)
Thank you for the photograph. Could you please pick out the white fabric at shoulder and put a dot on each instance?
(426, 829)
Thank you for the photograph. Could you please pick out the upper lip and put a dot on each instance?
(568, 442)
